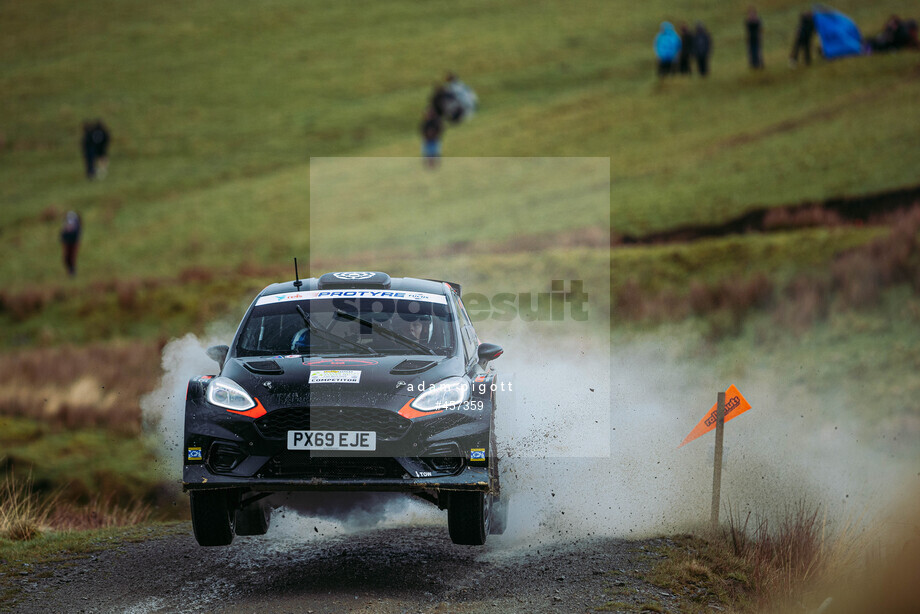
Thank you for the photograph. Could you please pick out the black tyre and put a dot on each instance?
(468, 517)
(212, 517)
(253, 519)
(499, 519)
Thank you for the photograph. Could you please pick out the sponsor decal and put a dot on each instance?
(342, 362)
(194, 454)
(398, 295)
(423, 474)
(353, 275)
(478, 454)
(337, 376)
(480, 378)
(735, 405)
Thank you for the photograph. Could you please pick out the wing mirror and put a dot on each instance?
(218, 353)
(489, 352)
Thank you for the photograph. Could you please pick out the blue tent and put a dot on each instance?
(839, 35)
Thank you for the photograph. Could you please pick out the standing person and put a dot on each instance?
(754, 30)
(467, 101)
(432, 128)
(100, 138)
(89, 150)
(70, 239)
(444, 103)
(667, 46)
(686, 49)
(702, 47)
(803, 36)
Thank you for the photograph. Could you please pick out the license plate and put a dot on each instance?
(332, 440)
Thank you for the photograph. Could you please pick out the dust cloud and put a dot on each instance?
(792, 446)
(164, 409)
(588, 446)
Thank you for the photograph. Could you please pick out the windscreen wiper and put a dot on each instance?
(331, 336)
(386, 332)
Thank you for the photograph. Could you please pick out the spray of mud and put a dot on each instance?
(589, 448)
(792, 447)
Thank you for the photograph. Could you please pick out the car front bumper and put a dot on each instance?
(198, 477)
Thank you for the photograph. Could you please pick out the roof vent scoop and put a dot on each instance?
(408, 367)
(354, 279)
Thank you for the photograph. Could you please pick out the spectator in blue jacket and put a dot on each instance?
(667, 47)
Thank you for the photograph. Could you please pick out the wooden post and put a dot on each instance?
(717, 461)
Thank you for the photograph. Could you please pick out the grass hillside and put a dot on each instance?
(216, 109)
(220, 111)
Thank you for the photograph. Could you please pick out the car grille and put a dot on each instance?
(388, 425)
(300, 464)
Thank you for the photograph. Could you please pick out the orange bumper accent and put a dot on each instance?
(256, 412)
(409, 412)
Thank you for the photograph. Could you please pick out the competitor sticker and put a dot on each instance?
(478, 454)
(335, 377)
(194, 454)
(422, 297)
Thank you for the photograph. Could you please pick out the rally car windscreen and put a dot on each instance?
(277, 327)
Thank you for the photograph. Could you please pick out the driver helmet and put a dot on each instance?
(301, 340)
(414, 326)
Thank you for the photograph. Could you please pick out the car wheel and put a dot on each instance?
(253, 519)
(212, 518)
(468, 517)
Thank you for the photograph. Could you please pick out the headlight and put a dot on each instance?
(224, 392)
(446, 393)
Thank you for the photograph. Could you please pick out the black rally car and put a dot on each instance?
(354, 381)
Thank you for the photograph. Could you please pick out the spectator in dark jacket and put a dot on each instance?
(803, 36)
(686, 49)
(443, 101)
(432, 128)
(70, 239)
(754, 31)
(895, 35)
(89, 150)
(100, 138)
(702, 47)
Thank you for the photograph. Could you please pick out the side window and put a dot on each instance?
(470, 340)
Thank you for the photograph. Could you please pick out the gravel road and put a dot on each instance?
(413, 568)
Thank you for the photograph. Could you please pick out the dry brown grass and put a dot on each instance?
(806, 301)
(196, 274)
(96, 385)
(23, 514)
(803, 217)
(860, 275)
(855, 280)
(785, 557)
(98, 514)
(797, 562)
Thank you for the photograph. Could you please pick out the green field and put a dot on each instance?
(216, 112)
(249, 133)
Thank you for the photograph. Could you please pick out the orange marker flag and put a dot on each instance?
(735, 405)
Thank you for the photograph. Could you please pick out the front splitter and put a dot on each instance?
(197, 477)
